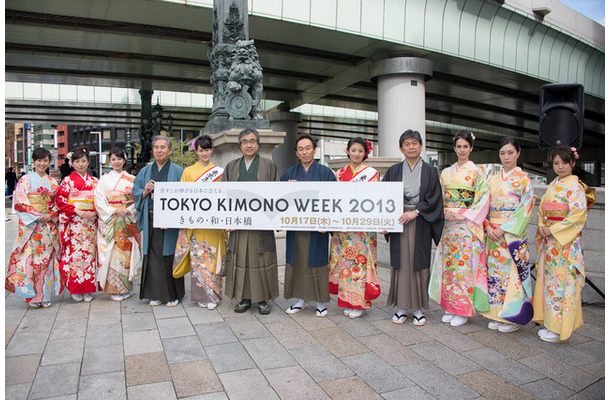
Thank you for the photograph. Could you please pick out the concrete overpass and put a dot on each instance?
(490, 59)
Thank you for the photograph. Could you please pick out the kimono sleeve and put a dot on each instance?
(480, 205)
(104, 209)
(63, 194)
(27, 214)
(569, 228)
(517, 223)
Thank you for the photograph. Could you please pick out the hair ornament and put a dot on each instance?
(369, 147)
(472, 136)
(576, 156)
(193, 144)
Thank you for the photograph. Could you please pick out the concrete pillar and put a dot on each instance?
(285, 121)
(401, 100)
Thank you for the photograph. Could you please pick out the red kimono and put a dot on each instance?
(78, 260)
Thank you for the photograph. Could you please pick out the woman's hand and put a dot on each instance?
(453, 216)
(121, 211)
(495, 234)
(544, 232)
(85, 214)
(45, 218)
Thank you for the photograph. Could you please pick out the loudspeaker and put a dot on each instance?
(562, 108)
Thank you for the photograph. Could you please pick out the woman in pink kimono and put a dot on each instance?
(118, 238)
(33, 270)
(458, 280)
(78, 226)
(561, 275)
(353, 255)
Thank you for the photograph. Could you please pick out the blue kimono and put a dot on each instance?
(318, 242)
(142, 207)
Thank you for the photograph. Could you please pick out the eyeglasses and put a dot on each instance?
(246, 142)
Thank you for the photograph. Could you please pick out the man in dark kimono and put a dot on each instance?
(307, 252)
(11, 180)
(158, 244)
(251, 259)
(423, 221)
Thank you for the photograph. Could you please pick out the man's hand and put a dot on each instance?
(148, 188)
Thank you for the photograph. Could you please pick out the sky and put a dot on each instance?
(594, 9)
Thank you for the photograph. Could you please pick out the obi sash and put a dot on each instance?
(83, 200)
(119, 200)
(552, 211)
(40, 202)
(501, 208)
(458, 197)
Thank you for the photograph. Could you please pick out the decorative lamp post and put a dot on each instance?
(128, 151)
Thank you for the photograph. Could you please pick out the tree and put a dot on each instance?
(184, 158)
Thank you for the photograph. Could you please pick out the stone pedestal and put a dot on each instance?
(401, 100)
(381, 164)
(226, 145)
(284, 155)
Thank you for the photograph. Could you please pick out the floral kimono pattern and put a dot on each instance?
(561, 274)
(33, 270)
(353, 255)
(118, 238)
(508, 272)
(458, 278)
(78, 260)
(204, 249)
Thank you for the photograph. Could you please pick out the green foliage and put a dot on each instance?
(188, 156)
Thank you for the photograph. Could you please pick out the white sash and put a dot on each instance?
(366, 174)
(211, 175)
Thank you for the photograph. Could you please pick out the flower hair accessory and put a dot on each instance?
(193, 145)
(472, 136)
(576, 156)
(369, 147)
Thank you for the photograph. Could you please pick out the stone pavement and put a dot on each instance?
(110, 350)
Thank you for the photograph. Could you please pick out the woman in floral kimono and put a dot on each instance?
(118, 238)
(33, 270)
(78, 226)
(353, 255)
(561, 217)
(203, 249)
(508, 272)
(458, 280)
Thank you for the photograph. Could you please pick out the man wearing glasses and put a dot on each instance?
(251, 260)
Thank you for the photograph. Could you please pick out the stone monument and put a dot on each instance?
(237, 82)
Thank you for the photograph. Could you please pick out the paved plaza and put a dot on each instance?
(111, 350)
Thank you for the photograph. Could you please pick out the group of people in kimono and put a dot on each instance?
(87, 235)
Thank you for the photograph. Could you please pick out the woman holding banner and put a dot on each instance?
(458, 281)
(353, 255)
(423, 222)
(118, 238)
(78, 227)
(33, 270)
(202, 251)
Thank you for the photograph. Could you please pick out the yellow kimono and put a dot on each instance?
(203, 249)
(508, 271)
(561, 274)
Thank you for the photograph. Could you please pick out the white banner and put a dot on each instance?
(297, 206)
